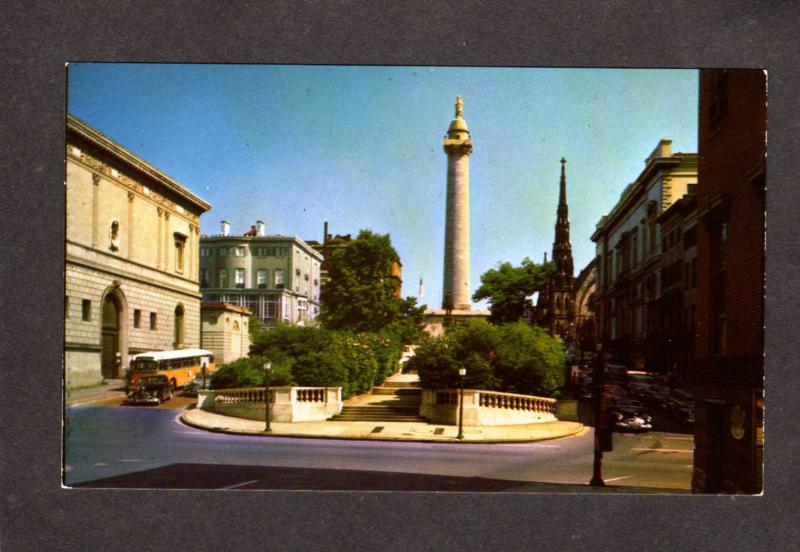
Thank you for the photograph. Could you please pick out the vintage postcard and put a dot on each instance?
(402, 278)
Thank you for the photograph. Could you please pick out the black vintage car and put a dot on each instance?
(153, 389)
(628, 414)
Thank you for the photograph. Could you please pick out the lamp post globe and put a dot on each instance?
(461, 372)
(267, 367)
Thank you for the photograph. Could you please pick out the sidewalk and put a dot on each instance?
(390, 431)
(86, 395)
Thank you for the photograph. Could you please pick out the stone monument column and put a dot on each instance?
(457, 146)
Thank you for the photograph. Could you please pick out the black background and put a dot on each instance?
(38, 38)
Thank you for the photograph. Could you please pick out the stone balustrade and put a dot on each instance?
(486, 408)
(288, 404)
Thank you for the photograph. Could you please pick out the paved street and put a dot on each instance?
(150, 447)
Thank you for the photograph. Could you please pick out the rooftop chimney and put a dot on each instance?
(261, 228)
(226, 227)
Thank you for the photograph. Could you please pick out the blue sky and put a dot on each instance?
(361, 147)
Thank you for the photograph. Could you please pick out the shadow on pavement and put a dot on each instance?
(212, 476)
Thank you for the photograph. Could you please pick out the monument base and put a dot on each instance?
(435, 320)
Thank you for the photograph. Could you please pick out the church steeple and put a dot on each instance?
(562, 247)
(555, 308)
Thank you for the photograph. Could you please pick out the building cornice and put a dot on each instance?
(106, 144)
(667, 165)
(221, 240)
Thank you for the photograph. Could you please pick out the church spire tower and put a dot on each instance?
(458, 147)
(562, 247)
(556, 305)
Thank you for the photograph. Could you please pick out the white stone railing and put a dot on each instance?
(288, 404)
(486, 407)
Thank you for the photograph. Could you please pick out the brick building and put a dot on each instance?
(729, 340)
(671, 343)
(131, 273)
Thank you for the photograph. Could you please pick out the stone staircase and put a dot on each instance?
(396, 400)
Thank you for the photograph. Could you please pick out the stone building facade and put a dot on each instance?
(729, 343)
(276, 277)
(629, 248)
(225, 331)
(585, 324)
(131, 272)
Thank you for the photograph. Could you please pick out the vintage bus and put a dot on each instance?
(180, 366)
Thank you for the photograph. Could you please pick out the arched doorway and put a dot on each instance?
(111, 356)
(178, 326)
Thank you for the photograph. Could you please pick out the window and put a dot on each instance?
(238, 277)
(180, 246)
(113, 235)
(718, 265)
(205, 277)
(279, 278)
(222, 280)
(206, 252)
(86, 310)
(178, 330)
(687, 275)
(261, 279)
(137, 318)
(690, 238)
(238, 251)
(223, 251)
(153, 321)
(718, 106)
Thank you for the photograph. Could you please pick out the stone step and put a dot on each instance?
(387, 383)
(396, 391)
(382, 408)
(343, 418)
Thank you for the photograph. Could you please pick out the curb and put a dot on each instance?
(580, 430)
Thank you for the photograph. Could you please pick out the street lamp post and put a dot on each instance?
(461, 372)
(598, 378)
(268, 369)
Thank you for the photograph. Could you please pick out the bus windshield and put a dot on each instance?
(146, 365)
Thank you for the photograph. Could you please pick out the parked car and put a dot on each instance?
(191, 389)
(638, 383)
(684, 414)
(628, 414)
(610, 391)
(153, 389)
(657, 396)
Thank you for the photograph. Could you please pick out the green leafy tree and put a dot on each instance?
(515, 358)
(470, 345)
(529, 360)
(508, 288)
(361, 293)
(248, 372)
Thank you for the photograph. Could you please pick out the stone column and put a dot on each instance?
(458, 146)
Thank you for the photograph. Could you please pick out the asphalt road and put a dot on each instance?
(108, 445)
